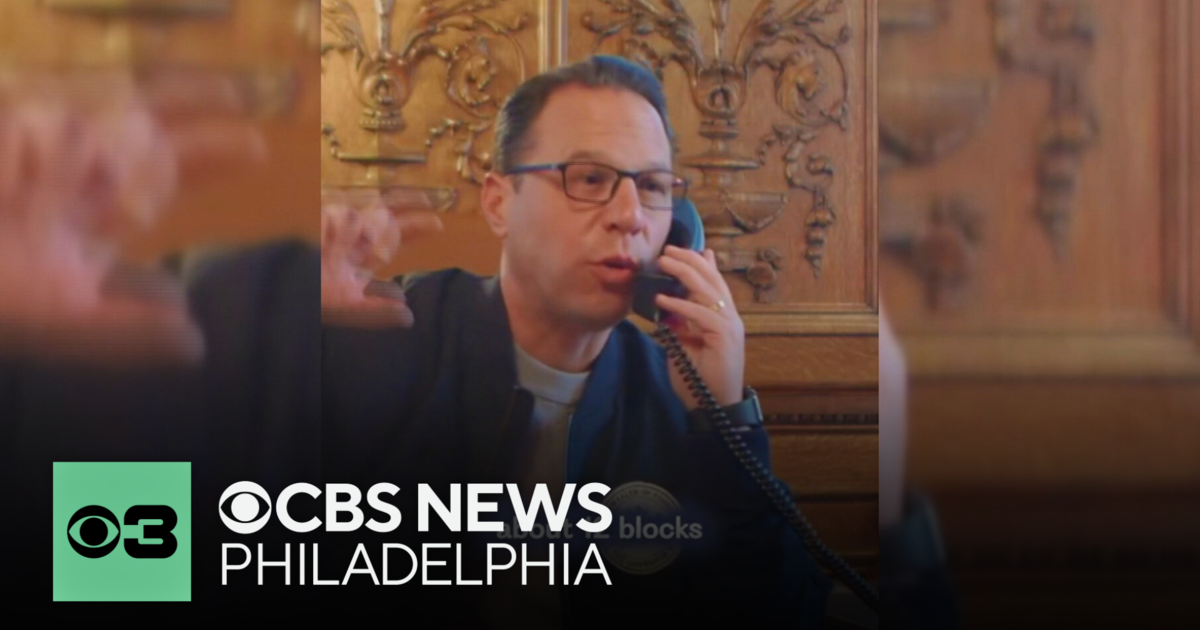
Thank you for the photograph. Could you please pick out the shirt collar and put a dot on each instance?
(500, 411)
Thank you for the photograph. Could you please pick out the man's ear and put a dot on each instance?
(494, 199)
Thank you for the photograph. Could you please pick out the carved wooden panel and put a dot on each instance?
(771, 104)
(1030, 196)
(419, 84)
(1039, 253)
(1013, 250)
(408, 100)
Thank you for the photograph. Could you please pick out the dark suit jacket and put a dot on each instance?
(439, 403)
(250, 412)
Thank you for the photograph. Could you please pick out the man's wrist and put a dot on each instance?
(743, 416)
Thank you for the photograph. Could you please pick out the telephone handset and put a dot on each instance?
(687, 230)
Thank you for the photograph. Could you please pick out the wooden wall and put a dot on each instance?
(1040, 253)
(267, 48)
(785, 179)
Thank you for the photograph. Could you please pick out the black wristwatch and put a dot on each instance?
(744, 416)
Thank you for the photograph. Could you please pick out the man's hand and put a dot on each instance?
(86, 160)
(707, 324)
(359, 234)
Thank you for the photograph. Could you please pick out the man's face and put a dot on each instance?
(577, 259)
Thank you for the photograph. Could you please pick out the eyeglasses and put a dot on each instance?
(598, 183)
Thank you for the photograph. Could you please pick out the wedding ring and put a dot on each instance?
(718, 306)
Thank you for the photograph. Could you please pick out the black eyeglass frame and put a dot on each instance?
(562, 167)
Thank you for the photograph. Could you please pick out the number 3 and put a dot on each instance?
(166, 544)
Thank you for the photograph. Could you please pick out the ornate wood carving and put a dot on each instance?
(1054, 39)
(335, 149)
(921, 122)
(802, 47)
(384, 74)
(944, 252)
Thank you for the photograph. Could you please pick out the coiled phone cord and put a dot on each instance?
(776, 491)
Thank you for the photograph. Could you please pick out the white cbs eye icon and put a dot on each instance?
(244, 507)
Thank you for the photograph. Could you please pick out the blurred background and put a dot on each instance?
(267, 48)
(1040, 259)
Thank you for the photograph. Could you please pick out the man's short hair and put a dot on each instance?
(526, 102)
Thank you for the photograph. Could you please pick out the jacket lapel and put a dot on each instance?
(497, 412)
(596, 406)
(495, 415)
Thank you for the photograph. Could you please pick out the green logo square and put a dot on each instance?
(122, 531)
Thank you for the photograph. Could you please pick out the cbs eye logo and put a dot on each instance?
(245, 507)
(93, 532)
(122, 531)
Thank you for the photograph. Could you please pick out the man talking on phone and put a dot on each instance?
(535, 376)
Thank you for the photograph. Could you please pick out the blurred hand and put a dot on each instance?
(893, 424)
(86, 161)
(360, 232)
